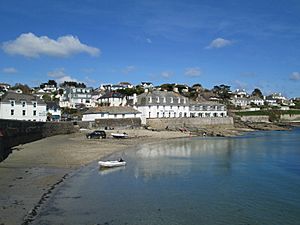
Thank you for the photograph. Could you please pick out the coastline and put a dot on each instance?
(34, 170)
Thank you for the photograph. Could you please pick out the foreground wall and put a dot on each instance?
(15, 132)
(176, 123)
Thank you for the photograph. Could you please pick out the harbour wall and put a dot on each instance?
(122, 123)
(255, 119)
(194, 123)
(290, 117)
(15, 132)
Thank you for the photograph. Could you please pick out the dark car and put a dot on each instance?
(96, 134)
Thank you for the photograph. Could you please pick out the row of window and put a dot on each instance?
(13, 103)
(12, 112)
(164, 100)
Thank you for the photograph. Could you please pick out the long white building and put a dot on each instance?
(15, 106)
(164, 104)
(110, 112)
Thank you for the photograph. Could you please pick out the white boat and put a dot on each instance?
(110, 164)
(119, 135)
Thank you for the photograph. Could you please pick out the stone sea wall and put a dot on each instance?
(15, 132)
(255, 119)
(177, 123)
(290, 117)
(123, 123)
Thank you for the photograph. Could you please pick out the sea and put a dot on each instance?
(252, 179)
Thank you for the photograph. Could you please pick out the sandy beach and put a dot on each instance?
(34, 170)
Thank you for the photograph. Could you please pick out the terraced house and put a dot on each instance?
(164, 104)
(16, 106)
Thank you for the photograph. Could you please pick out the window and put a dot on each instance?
(115, 115)
(12, 103)
(34, 112)
(23, 104)
(157, 115)
(12, 112)
(34, 104)
(24, 112)
(123, 115)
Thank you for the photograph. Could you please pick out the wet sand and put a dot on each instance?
(30, 174)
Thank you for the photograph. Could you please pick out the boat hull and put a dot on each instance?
(111, 164)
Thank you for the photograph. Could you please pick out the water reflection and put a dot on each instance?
(180, 156)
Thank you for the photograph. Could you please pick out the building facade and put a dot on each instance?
(15, 106)
(207, 109)
(75, 96)
(162, 104)
(110, 112)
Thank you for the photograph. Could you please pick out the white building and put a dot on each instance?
(110, 112)
(75, 96)
(256, 100)
(162, 104)
(147, 85)
(207, 109)
(15, 106)
(242, 102)
(112, 99)
(53, 111)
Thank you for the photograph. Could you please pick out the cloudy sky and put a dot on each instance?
(244, 44)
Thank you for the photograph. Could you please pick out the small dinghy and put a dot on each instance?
(119, 135)
(111, 164)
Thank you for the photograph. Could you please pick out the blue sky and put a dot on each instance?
(244, 44)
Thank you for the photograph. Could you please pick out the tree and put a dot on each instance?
(72, 84)
(223, 92)
(257, 93)
(24, 87)
(168, 87)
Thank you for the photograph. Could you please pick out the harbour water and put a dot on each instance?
(252, 179)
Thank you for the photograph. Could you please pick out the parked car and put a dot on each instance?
(96, 134)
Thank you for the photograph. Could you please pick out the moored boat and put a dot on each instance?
(110, 164)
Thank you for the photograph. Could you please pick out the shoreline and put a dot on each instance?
(31, 173)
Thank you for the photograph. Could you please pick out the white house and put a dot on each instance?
(147, 85)
(162, 104)
(242, 102)
(112, 99)
(207, 109)
(110, 112)
(75, 96)
(15, 106)
(256, 100)
(53, 111)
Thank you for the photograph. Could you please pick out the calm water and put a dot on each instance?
(254, 179)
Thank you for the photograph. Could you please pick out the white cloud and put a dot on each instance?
(219, 43)
(30, 45)
(149, 40)
(295, 76)
(166, 74)
(192, 72)
(60, 76)
(128, 69)
(10, 70)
